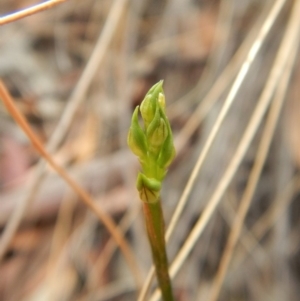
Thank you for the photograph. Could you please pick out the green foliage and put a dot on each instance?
(152, 143)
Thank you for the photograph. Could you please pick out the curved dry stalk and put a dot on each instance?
(90, 70)
(223, 28)
(267, 220)
(225, 18)
(270, 217)
(147, 283)
(57, 264)
(289, 45)
(62, 228)
(221, 83)
(197, 230)
(110, 247)
(247, 238)
(106, 219)
(29, 11)
(228, 102)
(60, 131)
(111, 291)
(240, 152)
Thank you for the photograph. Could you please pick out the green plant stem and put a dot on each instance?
(156, 234)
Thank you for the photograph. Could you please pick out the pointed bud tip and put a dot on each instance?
(155, 89)
(160, 83)
(159, 86)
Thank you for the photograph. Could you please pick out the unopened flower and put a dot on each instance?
(152, 142)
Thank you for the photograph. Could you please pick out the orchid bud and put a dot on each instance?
(153, 144)
(136, 139)
(147, 110)
(162, 101)
(156, 133)
(150, 102)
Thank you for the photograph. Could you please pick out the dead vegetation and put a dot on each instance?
(76, 71)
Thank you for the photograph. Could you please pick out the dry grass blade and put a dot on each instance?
(16, 217)
(269, 218)
(221, 83)
(227, 104)
(265, 223)
(225, 18)
(61, 229)
(225, 108)
(247, 239)
(286, 54)
(29, 11)
(75, 100)
(89, 72)
(251, 129)
(107, 220)
(110, 247)
(75, 72)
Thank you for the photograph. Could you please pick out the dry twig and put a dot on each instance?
(29, 11)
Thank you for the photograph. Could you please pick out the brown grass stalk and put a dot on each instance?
(29, 11)
(85, 197)
(259, 161)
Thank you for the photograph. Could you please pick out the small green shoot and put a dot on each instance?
(153, 144)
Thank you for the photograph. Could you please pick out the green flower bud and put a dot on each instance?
(153, 144)
(162, 101)
(156, 136)
(149, 104)
(156, 89)
(167, 151)
(148, 110)
(156, 133)
(149, 189)
(136, 139)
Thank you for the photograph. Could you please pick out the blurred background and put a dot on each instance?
(76, 72)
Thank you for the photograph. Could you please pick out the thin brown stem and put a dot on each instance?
(290, 41)
(29, 11)
(85, 197)
(156, 234)
(103, 42)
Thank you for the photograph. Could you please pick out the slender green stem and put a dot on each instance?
(153, 144)
(156, 234)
